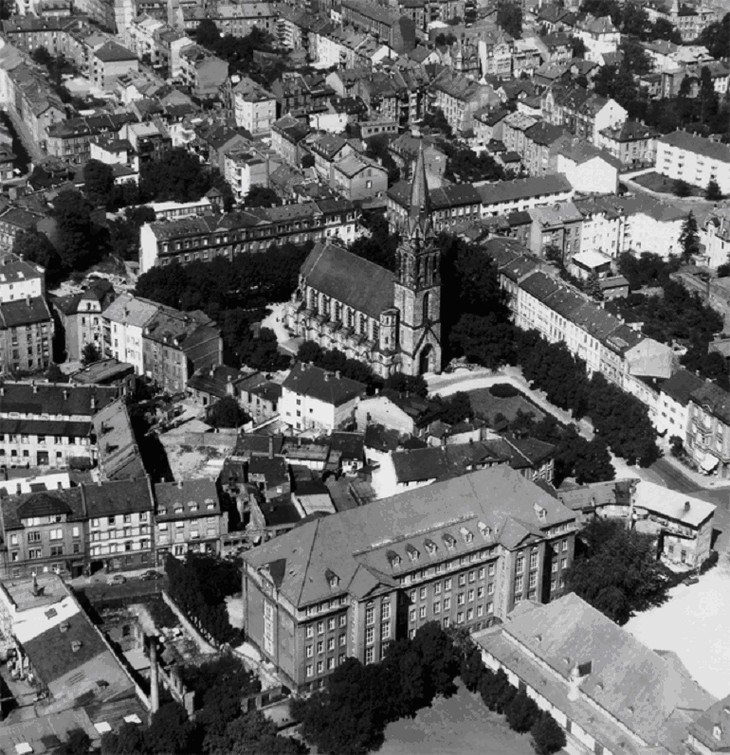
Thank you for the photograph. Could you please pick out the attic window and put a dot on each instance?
(393, 559)
(540, 511)
(484, 530)
(449, 540)
(51, 612)
(65, 626)
(412, 552)
(332, 579)
(717, 732)
(431, 547)
(466, 534)
(76, 646)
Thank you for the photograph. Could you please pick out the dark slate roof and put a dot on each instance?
(680, 386)
(714, 399)
(53, 398)
(308, 380)
(24, 312)
(352, 280)
(65, 501)
(118, 497)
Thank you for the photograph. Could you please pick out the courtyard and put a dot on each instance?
(694, 623)
(461, 725)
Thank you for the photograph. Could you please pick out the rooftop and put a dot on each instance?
(307, 380)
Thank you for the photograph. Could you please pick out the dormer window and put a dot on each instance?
(332, 579)
(431, 547)
(540, 511)
(466, 534)
(484, 530)
(449, 541)
(412, 552)
(717, 732)
(393, 559)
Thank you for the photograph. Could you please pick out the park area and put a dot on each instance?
(459, 725)
(656, 182)
(504, 399)
(694, 623)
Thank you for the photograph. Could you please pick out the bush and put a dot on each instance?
(504, 390)
(547, 736)
(709, 562)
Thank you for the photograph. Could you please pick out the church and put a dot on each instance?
(389, 321)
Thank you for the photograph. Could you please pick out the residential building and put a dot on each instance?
(709, 732)
(599, 35)
(314, 399)
(708, 430)
(694, 159)
(259, 397)
(397, 31)
(123, 323)
(175, 344)
(110, 62)
(20, 279)
(580, 667)
(26, 335)
(120, 521)
(42, 532)
(118, 454)
(70, 140)
(589, 169)
(672, 415)
(715, 236)
(253, 107)
(358, 178)
(202, 71)
(580, 111)
(49, 424)
(632, 143)
(188, 519)
(240, 18)
(251, 230)
(80, 317)
(462, 552)
(459, 97)
(208, 385)
(244, 169)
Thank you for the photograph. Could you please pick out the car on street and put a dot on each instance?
(151, 574)
(117, 579)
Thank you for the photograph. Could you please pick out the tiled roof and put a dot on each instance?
(112, 52)
(131, 310)
(697, 144)
(117, 497)
(186, 499)
(308, 380)
(712, 398)
(350, 279)
(680, 386)
(53, 398)
(358, 545)
(24, 312)
(523, 188)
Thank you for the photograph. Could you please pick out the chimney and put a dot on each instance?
(179, 484)
(66, 394)
(27, 300)
(686, 506)
(337, 374)
(93, 403)
(271, 446)
(154, 678)
(35, 387)
(35, 590)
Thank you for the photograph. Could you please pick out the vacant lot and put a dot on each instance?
(461, 725)
(486, 405)
(657, 182)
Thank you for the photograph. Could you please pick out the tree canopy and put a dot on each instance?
(616, 570)
(226, 412)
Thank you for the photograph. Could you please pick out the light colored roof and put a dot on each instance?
(591, 259)
(649, 358)
(669, 503)
(367, 537)
(650, 695)
(131, 310)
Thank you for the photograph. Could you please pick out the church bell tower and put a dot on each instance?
(417, 294)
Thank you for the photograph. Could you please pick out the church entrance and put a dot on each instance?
(425, 360)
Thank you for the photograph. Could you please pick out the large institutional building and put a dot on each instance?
(392, 322)
(462, 552)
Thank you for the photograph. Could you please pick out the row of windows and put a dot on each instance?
(332, 623)
(331, 644)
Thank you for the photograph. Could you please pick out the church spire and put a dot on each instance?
(419, 207)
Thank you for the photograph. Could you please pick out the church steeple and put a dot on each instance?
(419, 206)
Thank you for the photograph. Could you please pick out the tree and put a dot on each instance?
(676, 446)
(207, 33)
(509, 17)
(547, 736)
(130, 738)
(712, 192)
(35, 246)
(252, 734)
(55, 375)
(472, 667)
(616, 570)
(594, 463)
(435, 120)
(682, 188)
(170, 730)
(716, 37)
(261, 196)
(90, 354)
(689, 239)
(77, 743)
(665, 29)
(226, 412)
(522, 712)
(180, 176)
(80, 241)
(98, 183)
(377, 149)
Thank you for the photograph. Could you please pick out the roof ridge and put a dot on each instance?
(309, 559)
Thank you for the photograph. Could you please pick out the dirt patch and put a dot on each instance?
(486, 405)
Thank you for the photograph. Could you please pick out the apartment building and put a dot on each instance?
(80, 317)
(632, 143)
(120, 523)
(254, 108)
(109, 63)
(202, 71)
(20, 279)
(70, 140)
(694, 159)
(42, 532)
(708, 429)
(49, 424)
(252, 230)
(26, 335)
(459, 97)
(123, 323)
(244, 169)
(580, 111)
(188, 519)
(462, 552)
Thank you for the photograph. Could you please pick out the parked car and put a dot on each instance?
(117, 579)
(151, 574)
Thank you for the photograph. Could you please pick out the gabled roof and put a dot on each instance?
(679, 386)
(111, 52)
(348, 278)
(697, 144)
(308, 380)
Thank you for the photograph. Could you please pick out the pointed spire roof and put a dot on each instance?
(419, 207)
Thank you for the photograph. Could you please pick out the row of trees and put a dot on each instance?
(631, 18)
(199, 586)
(351, 713)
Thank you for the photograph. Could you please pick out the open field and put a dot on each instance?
(486, 405)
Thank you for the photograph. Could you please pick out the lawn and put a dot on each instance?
(486, 405)
(657, 182)
(461, 725)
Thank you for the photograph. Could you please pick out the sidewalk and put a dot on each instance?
(710, 482)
